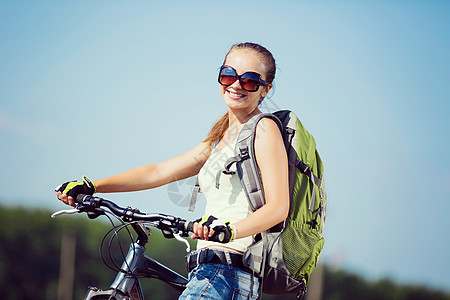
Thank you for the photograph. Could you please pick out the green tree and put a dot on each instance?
(30, 249)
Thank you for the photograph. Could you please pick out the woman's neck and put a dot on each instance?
(239, 118)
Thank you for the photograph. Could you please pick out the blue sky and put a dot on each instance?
(98, 87)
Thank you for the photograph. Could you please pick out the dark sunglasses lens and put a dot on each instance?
(250, 81)
(227, 76)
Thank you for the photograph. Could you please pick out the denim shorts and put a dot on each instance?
(218, 281)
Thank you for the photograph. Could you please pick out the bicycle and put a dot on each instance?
(136, 265)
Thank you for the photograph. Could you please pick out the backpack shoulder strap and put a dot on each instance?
(247, 166)
(196, 188)
(194, 195)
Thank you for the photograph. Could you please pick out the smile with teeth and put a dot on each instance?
(235, 95)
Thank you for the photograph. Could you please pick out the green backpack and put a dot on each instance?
(285, 255)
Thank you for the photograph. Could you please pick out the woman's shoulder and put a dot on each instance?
(270, 151)
(267, 130)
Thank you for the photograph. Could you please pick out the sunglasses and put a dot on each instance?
(250, 81)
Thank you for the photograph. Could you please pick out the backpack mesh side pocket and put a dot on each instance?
(301, 248)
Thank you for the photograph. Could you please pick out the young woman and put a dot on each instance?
(245, 79)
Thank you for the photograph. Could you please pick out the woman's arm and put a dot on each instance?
(273, 164)
(152, 175)
(155, 175)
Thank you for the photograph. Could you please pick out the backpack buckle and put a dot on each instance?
(244, 153)
(228, 172)
(301, 166)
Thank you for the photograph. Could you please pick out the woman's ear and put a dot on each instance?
(266, 90)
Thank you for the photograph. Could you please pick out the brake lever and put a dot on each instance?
(65, 212)
(180, 239)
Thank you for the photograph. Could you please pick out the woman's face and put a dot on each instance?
(235, 97)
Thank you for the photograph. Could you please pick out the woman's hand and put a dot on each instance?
(201, 232)
(68, 192)
(210, 227)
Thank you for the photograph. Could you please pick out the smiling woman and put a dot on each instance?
(245, 80)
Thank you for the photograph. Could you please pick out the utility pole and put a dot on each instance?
(315, 285)
(67, 265)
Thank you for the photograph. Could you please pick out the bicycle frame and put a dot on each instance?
(135, 266)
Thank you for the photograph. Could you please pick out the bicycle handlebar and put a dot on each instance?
(91, 205)
(128, 213)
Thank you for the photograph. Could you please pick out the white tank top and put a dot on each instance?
(228, 203)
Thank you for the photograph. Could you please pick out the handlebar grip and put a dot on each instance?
(80, 198)
(217, 237)
(189, 226)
